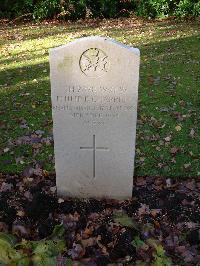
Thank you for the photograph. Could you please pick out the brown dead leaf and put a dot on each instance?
(141, 181)
(20, 213)
(174, 150)
(2, 125)
(38, 171)
(104, 251)
(191, 185)
(3, 227)
(28, 171)
(192, 225)
(158, 181)
(6, 187)
(155, 212)
(181, 249)
(28, 195)
(150, 80)
(156, 224)
(37, 145)
(20, 230)
(178, 116)
(144, 209)
(89, 242)
(88, 232)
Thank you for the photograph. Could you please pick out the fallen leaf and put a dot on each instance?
(138, 243)
(191, 153)
(20, 213)
(187, 165)
(182, 103)
(37, 145)
(160, 165)
(19, 230)
(142, 159)
(88, 231)
(28, 171)
(53, 189)
(192, 133)
(124, 220)
(178, 116)
(168, 138)
(155, 212)
(88, 242)
(141, 181)
(150, 80)
(174, 150)
(76, 252)
(38, 171)
(144, 209)
(6, 187)
(192, 225)
(39, 132)
(3, 227)
(168, 182)
(178, 128)
(28, 195)
(60, 200)
(138, 151)
(191, 185)
(173, 160)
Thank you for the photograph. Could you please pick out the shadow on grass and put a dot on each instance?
(37, 32)
(169, 48)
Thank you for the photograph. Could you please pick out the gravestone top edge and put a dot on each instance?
(136, 51)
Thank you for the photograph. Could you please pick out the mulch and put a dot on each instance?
(163, 212)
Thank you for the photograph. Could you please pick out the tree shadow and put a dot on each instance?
(175, 57)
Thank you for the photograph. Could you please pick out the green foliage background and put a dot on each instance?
(77, 9)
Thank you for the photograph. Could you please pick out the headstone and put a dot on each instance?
(94, 90)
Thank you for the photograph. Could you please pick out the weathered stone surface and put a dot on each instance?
(94, 85)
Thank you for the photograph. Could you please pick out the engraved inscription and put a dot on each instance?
(94, 148)
(84, 103)
(94, 89)
(94, 62)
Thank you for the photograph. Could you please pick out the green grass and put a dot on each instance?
(168, 91)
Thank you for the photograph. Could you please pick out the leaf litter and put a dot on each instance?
(158, 226)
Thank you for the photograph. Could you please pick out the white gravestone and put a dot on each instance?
(94, 90)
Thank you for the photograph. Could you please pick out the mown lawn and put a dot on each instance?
(168, 117)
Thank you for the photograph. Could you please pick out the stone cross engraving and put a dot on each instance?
(94, 90)
(94, 148)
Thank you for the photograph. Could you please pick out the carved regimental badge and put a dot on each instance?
(94, 62)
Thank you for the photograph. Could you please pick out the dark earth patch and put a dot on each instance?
(162, 212)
